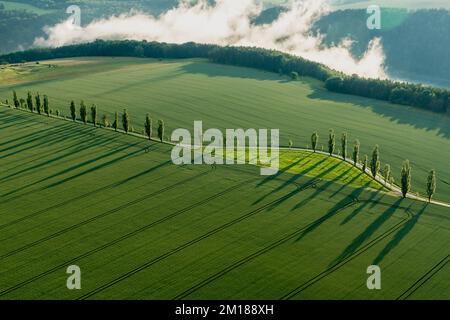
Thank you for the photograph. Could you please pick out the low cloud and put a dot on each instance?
(227, 22)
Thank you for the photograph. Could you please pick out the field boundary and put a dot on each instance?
(394, 189)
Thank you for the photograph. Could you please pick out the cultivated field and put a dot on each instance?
(140, 227)
(181, 91)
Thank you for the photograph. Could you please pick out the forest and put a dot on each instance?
(420, 96)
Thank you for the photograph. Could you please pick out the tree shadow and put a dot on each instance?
(40, 141)
(78, 166)
(416, 117)
(324, 187)
(368, 232)
(345, 203)
(74, 149)
(355, 212)
(292, 180)
(220, 70)
(281, 172)
(398, 237)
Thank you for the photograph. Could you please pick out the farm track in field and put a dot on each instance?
(255, 255)
(187, 244)
(80, 197)
(426, 277)
(102, 215)
(127, 236)
(349, 258)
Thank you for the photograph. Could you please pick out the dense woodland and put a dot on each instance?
(424, 97)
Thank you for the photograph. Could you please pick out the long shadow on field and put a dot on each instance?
(22, 124)
(346, 185)
(100, 166)
(279, 173)
(398, 237)
(78, 146)
(80, 165)
(360, 208)
(312, 183)
(225, 71)
(13, 121)
(368, 232)
(401, 114)
(346, 202)
(49, 138)
(48, 141)
(26, 136)
(292, 180)
(318, 191)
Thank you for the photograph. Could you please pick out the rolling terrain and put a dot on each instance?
(181, 91)
(142, 228)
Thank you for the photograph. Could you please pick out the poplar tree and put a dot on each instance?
(16, 100)
(30, 101)
(46, 106)
(94, 114)
(406, 178)
(431, 184)
(148, 126)
(116, 121)
(356, 148)
(83, 112)
(344, 145)
(73, 110)
(38, 103)
(375, 162)
(365, 162)
(331, 142)
(387, 173)
(105, 121)
(314, 141)
(161, 130)
(126, 121)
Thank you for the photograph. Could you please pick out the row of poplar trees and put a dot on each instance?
(41, 106)
(125, 117)
(375, 164)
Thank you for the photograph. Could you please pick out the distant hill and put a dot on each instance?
(416, 43)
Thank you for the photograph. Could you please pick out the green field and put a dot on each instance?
(181, 91)
(12, 5)
(141, 228)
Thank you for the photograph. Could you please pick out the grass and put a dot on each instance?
(142, 228)
(181, 91)
(12, 5)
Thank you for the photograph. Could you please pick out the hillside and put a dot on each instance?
(181, 91)
(141, 228)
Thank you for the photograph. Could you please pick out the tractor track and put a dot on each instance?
(184, 246)
(257, 254)
(126, 236)
(102, 215)
(343, 262)
(77, 198)
(422, 280)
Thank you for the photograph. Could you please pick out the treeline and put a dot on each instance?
(416, 95)
(372, 165)
(424, 97)
(40, 105)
